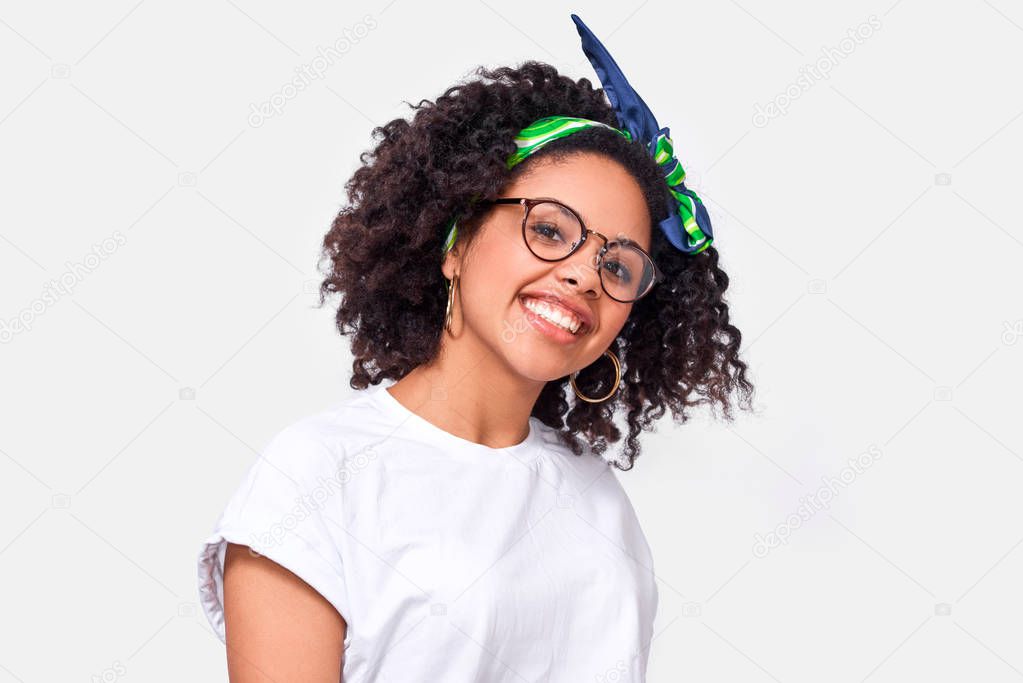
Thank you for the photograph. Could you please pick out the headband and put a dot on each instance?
(687, 226)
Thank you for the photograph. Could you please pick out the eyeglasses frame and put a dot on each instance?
(528, 204)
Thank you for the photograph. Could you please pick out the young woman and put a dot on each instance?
(524, 261)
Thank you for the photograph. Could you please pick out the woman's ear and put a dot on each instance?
(452, 262)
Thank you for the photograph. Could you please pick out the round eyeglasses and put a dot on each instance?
(553, 231)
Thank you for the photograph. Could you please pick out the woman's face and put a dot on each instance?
(499, 272)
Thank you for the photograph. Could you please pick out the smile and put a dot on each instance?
(554, 314)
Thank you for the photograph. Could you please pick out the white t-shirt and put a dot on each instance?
(449, 560)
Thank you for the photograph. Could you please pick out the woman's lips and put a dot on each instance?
(549, 329)
(576, 309)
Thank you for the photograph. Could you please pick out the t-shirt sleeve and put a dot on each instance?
(286, 509)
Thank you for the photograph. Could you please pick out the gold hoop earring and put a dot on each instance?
(452, 286)
(618, 379)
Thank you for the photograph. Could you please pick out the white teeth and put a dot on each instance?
(566, 321)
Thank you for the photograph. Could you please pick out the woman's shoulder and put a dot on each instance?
(327, 436)
(584, 472)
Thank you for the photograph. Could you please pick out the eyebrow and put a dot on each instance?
(554, 199)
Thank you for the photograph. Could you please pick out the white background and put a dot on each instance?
(872, 233)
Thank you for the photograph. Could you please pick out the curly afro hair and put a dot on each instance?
(677, 348)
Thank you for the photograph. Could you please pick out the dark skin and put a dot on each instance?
(481, 388)
(279, 629)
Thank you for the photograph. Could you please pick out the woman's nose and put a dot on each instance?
(581, 268)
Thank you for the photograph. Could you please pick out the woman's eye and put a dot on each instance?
(618, 270)
(546, 230)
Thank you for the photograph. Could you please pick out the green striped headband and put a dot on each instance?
(687, 226)
(542, 131)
